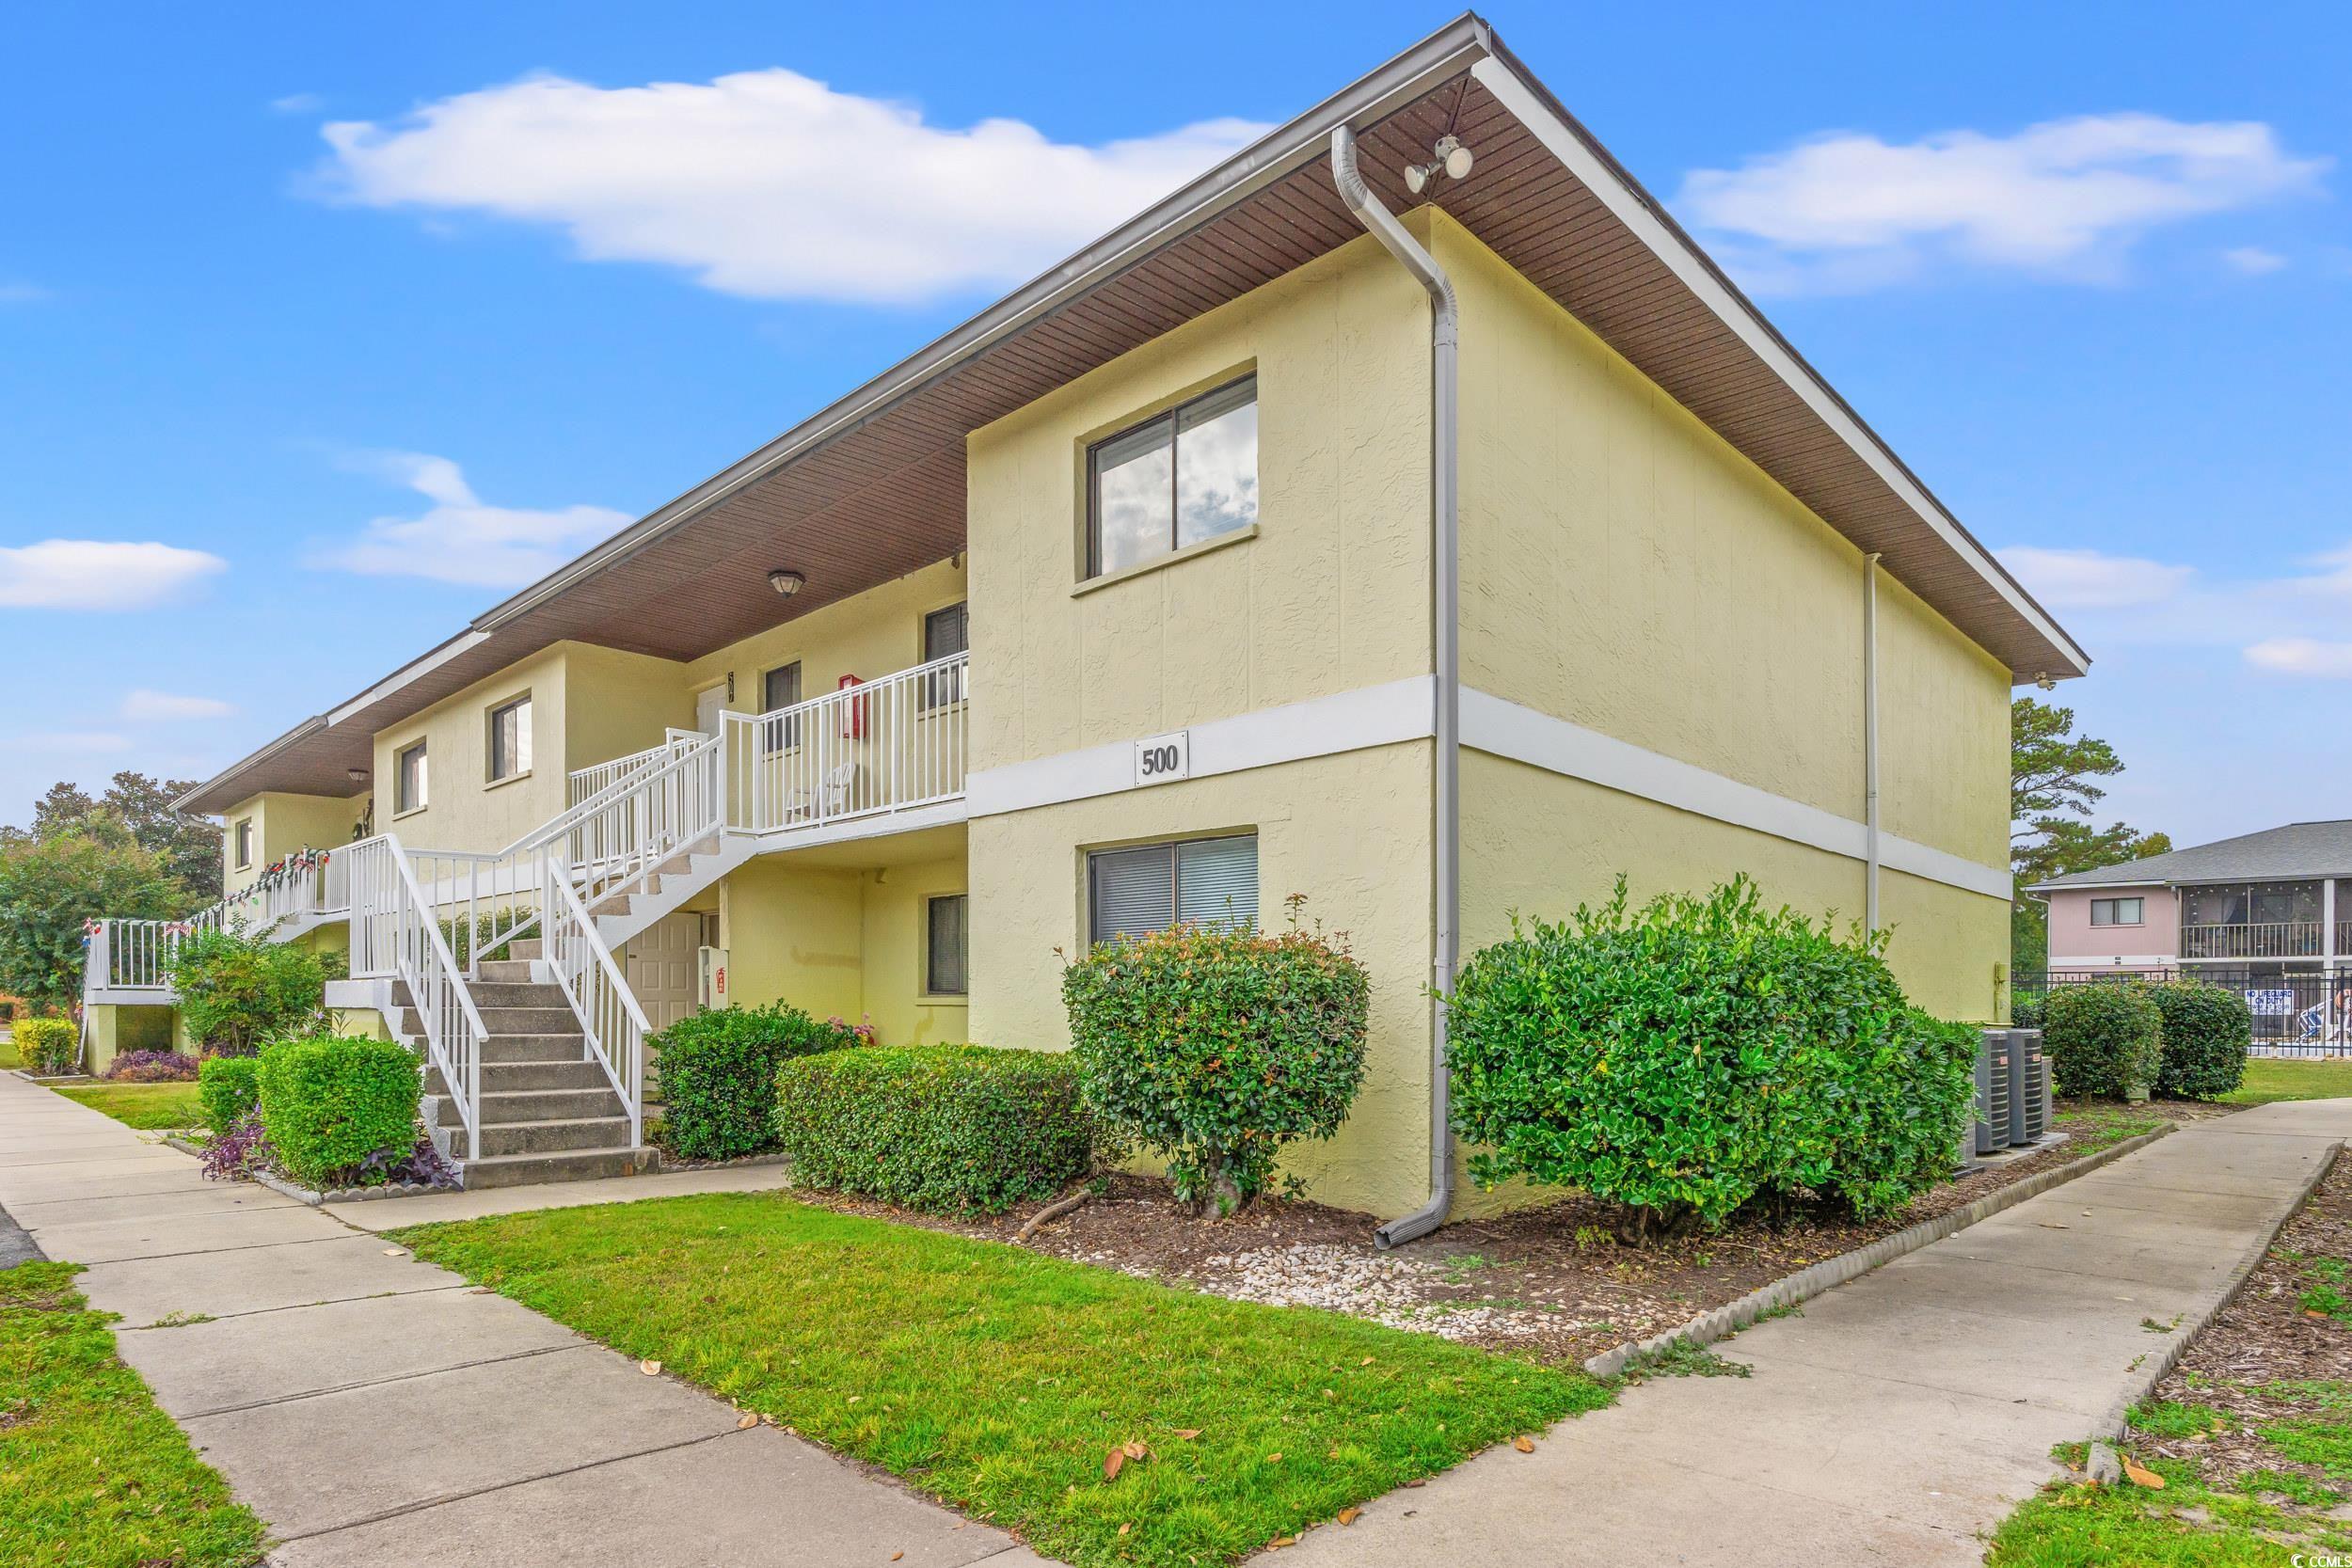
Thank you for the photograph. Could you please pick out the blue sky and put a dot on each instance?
(291, 296)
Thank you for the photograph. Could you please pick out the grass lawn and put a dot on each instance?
(2187, 1524)
(146, 1106)
(2269, 1078)
(92, 1475)
(1001, 1381)
(8, 1058)
(2092, 1128)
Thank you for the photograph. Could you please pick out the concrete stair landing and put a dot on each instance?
(548, 1114)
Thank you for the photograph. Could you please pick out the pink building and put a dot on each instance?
(2268, 913)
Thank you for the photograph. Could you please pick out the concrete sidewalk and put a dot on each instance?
(376, 1411)
(1901, 1416)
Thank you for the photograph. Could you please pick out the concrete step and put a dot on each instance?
(490, 993)
(521, 1107)
(505, 972)
(523, 949)
(529, 1021)
(533, 1077)
(533, 1048)
(522, 1170)
(554, 1137)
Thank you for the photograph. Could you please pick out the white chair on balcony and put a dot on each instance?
(830, 798)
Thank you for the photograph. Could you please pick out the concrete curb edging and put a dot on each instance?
(2102, 1464)
(312, 1196)
(1811, 1281)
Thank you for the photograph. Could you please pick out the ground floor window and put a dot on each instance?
(944, 969)
(1150, 887)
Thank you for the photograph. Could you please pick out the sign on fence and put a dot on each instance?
(2270, 1003)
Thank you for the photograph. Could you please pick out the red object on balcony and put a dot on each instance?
(852, 711)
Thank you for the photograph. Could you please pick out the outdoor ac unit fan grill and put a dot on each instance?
(2012, 1091)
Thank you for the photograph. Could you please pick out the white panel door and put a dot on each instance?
(660, 967)
(707, 704)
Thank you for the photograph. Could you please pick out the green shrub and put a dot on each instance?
(1216, 1047)
(1695, 1055)
(329, 1101)
(229, 1088)
(943, 1129)
(2104, 1037)
(2026, 1013)
(2207, 1031)
(718, 1075)
(237, 988)
(49, 1046)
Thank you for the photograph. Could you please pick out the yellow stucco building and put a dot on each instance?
(1432, 567)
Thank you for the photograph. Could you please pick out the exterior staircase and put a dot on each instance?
(549, 1113)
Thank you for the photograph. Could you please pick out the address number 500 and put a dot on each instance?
(1164, 757)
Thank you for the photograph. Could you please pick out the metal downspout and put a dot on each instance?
(1870, 737)
(1444, 341)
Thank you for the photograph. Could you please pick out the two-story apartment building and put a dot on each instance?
(2268, 913)
(1433, 566)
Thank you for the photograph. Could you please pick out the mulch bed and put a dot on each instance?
(1550, 1282)
(2256, 1363)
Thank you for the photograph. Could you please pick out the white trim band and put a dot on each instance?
(1405, 711)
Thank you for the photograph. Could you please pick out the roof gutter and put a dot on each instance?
(1445, 627)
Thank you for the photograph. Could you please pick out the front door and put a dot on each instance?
(707, 704)
(660, 967)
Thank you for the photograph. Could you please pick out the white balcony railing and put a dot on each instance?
(881, 746)
(2268, 939)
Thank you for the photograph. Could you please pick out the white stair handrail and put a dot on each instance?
(613, 1026)
(396, 934)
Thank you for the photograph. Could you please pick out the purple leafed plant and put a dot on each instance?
(391, 1167)
(152, 1067)
(238, 1153)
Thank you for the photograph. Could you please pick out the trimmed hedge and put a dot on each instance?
(1692, 1057)
(1216, 1047)
(2207, 1031)
(2103, 1039)
(229, 1089)
(331, 1102)
(718, 1075)
(942, 1128)
(49, 1046)
(2026, 1013)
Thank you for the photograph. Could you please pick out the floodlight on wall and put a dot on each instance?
(1452, 159)
(357, 775)
(785, 583)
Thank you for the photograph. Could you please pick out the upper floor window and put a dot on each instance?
(2116, 911)
(780, 688)
(409, 779)
(245, 842)
(509, 739)
(945, 632)
(1186, 476)
(1200, 881)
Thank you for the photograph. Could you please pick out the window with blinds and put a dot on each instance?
(945, 632)
(509, 739)
(1200, 881)
(780, 688)
(948, 940)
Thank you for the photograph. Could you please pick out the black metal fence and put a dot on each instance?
(2297, 1012)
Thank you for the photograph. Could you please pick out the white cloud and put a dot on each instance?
(1847, 210)
(2302, 656)
(2252, 259)
(297, 103)
(144, 706)
(98, 574)
(767, 182)
(459, 538)
(2091, 579)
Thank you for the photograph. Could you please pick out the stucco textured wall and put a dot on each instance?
(841, 939)
(1942, 733)
(1331, 595)
(283, 823)
(1351, 832)
(616, 703)
(462, 809)
(875, 633)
